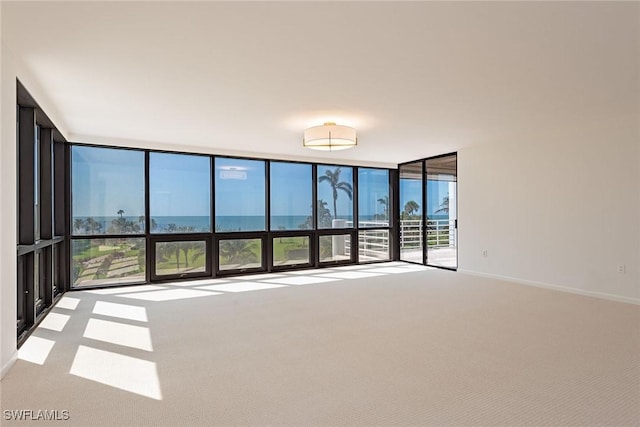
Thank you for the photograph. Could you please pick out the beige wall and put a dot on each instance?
(556, 208)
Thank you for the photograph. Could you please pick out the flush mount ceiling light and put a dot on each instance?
(330, 137)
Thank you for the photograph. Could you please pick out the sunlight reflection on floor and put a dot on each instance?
(35, 350)
(117, 370)
(119, 333)
(140, 376)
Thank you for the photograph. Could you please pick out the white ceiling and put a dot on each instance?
(415, 79)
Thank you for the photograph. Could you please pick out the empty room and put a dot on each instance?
(319, 213)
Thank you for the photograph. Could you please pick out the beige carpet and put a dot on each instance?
(386, 345)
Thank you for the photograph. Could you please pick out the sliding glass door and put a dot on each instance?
(411, 212)
(441, 203)
(428, 211)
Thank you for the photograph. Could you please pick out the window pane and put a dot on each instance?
(335, 196)
(180, 193)
(291, 196)
(290, 250)
(373, 197)
(108, 191)
(240, 254)
(335, 248)
(240, 195)
(107, 261)
(373, 245)
(440, 198)
(36, 185)
(181, 257)
(411, 212)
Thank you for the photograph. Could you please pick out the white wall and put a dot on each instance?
(7, 214)
(11, 69)
(555, 208)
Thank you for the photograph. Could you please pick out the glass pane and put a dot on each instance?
(240, 195)
(240, 254)
(36, 185)
(335, 248)
(181, 257)
(411, 212)
(37, 263)
(373, 197)
(55, 268)
(441, 177)
(335, 196)
(290, 250)
(291, 196)
(108, 191)
(107, 261)
(373, 245)
(180, 193)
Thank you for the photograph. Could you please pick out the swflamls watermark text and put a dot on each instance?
(35, 414)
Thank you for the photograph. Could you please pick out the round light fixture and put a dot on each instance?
(330, 137)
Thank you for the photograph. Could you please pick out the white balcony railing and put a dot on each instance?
(441, 233)
(374, 244)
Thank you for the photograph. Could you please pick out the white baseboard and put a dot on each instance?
(5, 369)
(602, 295)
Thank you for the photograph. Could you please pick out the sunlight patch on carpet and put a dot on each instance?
(68, 303)
(135, 288)
(122, 311)
(119, 333)
(300, 280)
(116, 370)
(350, 275)
(54, 321)
(35, 350)
(242, 287)
(169, 295)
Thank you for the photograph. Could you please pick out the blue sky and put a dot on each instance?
(107, 180)
(411, 189)
(291, 189)
(239, 187)
(179, 185)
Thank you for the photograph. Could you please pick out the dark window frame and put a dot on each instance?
(200, 237)
(41, 200)
(266, 235)
(248, 235)
(423, 162)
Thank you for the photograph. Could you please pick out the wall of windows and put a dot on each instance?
(41, 247)
(140, 216)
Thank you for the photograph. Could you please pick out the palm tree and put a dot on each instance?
(196, 250)
(120, 212)
(410, 207)
(237, 251)
(322, 213)
(78, 224)
(385, 205)
(333, 178)
(92, 226)
(444, 206)
(170, 249)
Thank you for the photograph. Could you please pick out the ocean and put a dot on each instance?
(165, 224)
(196, 223)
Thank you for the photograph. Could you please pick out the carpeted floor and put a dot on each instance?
(390, 344)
